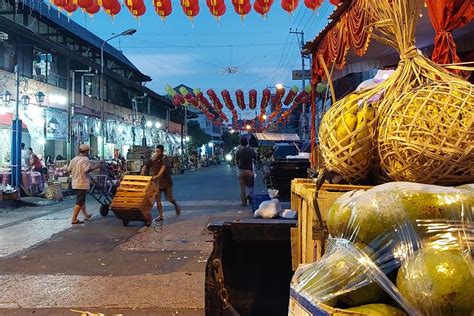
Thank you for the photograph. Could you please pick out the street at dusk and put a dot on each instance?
(237, 157)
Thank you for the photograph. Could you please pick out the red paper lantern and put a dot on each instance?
(163, 8)
(252, 99)
(262, 6)
(84, 4)
(70, 7)
(108, 4)
(190, 7)
(114, 10)
(216, 7)
(313, 4)
(93, 9)
(228, 101)
(290, 96)
(60, 3)
(266, 94)
(335, 2)
(239, 95)
(242, 7)
(289, 5)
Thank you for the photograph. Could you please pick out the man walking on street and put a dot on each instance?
(244, 158)
(79, 169)
(159, 167)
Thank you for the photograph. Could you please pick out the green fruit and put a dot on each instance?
(377, 310)
(371, 293)
(340, 213)
(438, 280)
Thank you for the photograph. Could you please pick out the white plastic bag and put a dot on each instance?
(269, 209)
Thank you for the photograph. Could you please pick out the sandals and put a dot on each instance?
(159, 219)
(77, 222)
(88, 217)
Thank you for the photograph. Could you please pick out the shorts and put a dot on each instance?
(81, 197)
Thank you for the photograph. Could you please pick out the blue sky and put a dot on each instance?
(194, 53)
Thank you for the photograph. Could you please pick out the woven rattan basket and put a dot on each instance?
(427, 136)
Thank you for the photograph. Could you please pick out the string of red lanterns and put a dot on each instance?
(199, 101)
(190, 8)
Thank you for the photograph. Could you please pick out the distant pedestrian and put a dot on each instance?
(79, 169)
(24, 156)
(245, 158)
(159, 167)
(36, 164)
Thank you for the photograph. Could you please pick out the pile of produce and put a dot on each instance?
(417, 126)
(397, 248)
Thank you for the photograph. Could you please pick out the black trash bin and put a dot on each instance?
(256, 261)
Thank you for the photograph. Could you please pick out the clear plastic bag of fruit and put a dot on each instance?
(408, 241)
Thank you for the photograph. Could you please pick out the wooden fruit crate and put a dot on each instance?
(312, 205)
(134, 199)
(300, 306)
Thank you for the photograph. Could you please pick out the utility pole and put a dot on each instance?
(303, 81)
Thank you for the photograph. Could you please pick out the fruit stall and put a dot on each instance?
(394, 235)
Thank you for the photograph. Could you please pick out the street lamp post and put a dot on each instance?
(143, 123)
(102, 113)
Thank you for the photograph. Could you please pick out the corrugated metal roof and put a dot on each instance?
(62, 22)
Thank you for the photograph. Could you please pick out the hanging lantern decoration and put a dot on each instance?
(178, 100)
(136, 7)
(228, 101)
(215, 99)
(242, 7)
(289, 5)
(335, 2)
(190, 8)
(216, 7)
(93, 9)
(163, 8)
(84, 4)
(290, 96)
(278, 97)
(60, 4)
(107, 4)
(313, 4)
(303, 96)
(70, 7)
(252, 99)
(263, 6)
(113, 11)
(239, 95)
(191, 100)
(266, 94)
(203, 100)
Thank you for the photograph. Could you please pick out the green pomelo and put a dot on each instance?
(377, 310)
(371, 293)
(437, 280)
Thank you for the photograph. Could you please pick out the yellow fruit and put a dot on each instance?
(351, 103)
(345, 127)
(377, 310)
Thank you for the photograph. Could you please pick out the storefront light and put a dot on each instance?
(188, 138)
(25, 101)
(149, 124)
(5, 97)
(248, 127)
(158, 125)
(120, 129)
(210, 144)
(39, 97)
(228, 157)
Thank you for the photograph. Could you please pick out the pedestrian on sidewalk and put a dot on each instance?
(79, 169)
(36, 164)
(159, 167)
(245, 158)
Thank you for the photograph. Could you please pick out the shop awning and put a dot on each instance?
(277, 137)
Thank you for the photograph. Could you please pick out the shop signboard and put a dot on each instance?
(56, 124)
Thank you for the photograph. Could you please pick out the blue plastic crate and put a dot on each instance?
(257, 199)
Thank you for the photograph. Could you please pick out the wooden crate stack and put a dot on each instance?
(134, 193)
(312, 205)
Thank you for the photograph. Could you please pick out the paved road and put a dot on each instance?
(48, 267)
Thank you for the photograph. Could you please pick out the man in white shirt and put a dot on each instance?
(79, 169)
(25, 158)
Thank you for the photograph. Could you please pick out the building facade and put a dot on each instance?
(42, 51)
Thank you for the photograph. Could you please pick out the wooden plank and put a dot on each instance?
(295, 248)
(133, 184)
(125, 189)
(138, 178)
(130, 194)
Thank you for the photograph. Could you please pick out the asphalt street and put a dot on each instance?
(49, 267)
